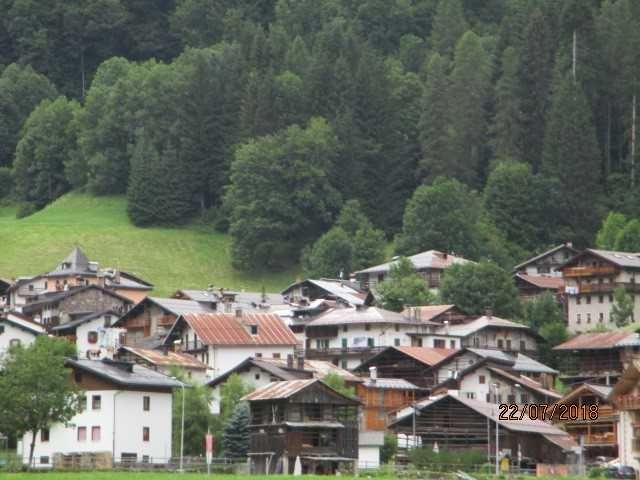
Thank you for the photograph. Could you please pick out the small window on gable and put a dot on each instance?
(482, 379)
(258, 355)
(257, 376)
(44, 435)
(145, 434)
(92, 337)
(146, 403)
(96, 402)
(254, 329)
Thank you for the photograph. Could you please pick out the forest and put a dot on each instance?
(322, 130)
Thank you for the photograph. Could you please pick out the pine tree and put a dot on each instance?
(235, 438)
(571, 154)
(434, 130)
(449, 25)
(535, 76)
(468, 96)
(507, 119)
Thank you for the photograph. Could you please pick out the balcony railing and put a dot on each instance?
(339, 351)
(589, 271)
(627, 402)
(607, 287)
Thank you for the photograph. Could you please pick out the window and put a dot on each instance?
(578, 319)
(96, 401)
(500, 343)
(524, 398)
(482, 379)
(367, 327)
(146, 403)
(107, 321)
(508, 344)
(396, 342)
(578, 300)
(370, 342)
(44, 460)
(523, 345)
(601, 298)
(254, 329)
(145, 459)
(345, 328)
(82, 434)
(44, 435)
(92, 337)
(397, 327)
(588, 299)
(345, 342)
(31, 287)
(471, 395)
(588, 318)
(1, 329)
(95, 434)
(437, 343)
(452, 344)
(344, 364)
(276, 355)
(145, 434)
(14, 342)
(511, 398)
(601, 317)
(476, 341)
(257, 376)
(322, 343)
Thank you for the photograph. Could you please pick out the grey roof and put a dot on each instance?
(53, 297)
(140, 377)
(465, 329)
(201, 295)
(77, 261)
(342, 316)
(342, 289)
(601, 389)
(429, 259)
(257, 298)
(622, 259)
(83, 319)
(390, 384)
(179, 307)
(521, 362)
(544, 254)
(22, 323)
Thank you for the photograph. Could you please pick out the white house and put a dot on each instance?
(16, 329)
(223, 340)
(126, 412)
(85, 332)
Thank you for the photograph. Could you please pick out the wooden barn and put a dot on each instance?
(305, 420)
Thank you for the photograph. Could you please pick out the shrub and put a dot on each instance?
(25, 209)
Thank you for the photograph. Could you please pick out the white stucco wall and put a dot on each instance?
(625, 440)
(368, 457)
(129, 419)
(12, 332)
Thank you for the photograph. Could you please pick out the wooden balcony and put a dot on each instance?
(608, 287)
(321, 353)
(627, 402)
(589, 271)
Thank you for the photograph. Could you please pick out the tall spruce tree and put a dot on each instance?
(507, 118)
(572, 155)
(449, 25)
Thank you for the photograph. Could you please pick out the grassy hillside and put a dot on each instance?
(170, 258)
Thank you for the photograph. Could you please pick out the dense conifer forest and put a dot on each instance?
(323, 129)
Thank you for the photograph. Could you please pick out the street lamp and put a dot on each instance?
(181, 470)
(495, 397)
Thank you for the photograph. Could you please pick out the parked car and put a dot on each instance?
(619, 471)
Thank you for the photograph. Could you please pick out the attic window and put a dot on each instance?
(254, 329)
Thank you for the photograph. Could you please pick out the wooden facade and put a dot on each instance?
(379, 403)
(392, 363)
(316, 424)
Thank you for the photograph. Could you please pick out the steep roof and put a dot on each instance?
(465, 329)
(156, 357)
(595, 341)
(342, 289)
(352, 316)
(83, 319)
(546, 253)
(426, 355)
(430, 259)
(22, 322)
(525, 382)
(124, 374)
(55, 297)
(426, 313)
(227, 329)
(172, 305)
(75, 263)
(543, 282)
(621, 259)
(284, 390)
(520, 362)
(601, 391)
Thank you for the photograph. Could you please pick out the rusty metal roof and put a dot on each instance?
(156, 357)
(428, 356)
(228, 329)
(279, 390)
(594, 341)
(549, 283)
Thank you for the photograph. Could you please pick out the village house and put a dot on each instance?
(487, 331)
(164, 361)
(590, 279)
(598, 357)
(57, 308)
(126, 411)
(344, 293)
(430, 265)
(16, 329)
(227, 301)
(533, 286)
(149, 321)
(222, 340)
(456, 423)
(258, 372)
(305, 421)
(85, 332)
(546, 264)
(495, 377)
(77, 271)
(625, 396)
(577, 416)
(413, 364)
(350, 336)
(438, 314)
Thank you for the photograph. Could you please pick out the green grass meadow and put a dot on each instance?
(170, 258)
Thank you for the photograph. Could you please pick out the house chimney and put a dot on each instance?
(373, 373)
(569, 244)
(289, 361)
(238, 313)
(165, 350)
(300, 363)
(488, 312)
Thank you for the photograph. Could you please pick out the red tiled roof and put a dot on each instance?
(428, 356)
(591, 341)
(227, 329)
(541, 281)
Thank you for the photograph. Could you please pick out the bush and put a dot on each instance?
(6, 182)
(389, 448)
(425, 457)
(25, 209)
(596, 472)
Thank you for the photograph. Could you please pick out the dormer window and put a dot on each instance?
(254, 329)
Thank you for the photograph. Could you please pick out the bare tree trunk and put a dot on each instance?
(32, 447)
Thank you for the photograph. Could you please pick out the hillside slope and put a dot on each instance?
(170, 258)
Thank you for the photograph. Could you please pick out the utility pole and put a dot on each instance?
(495, 398)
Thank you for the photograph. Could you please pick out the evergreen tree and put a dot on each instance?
(622, 308)
(535, 74)
(572, 155)
(235, 438)
(449, 25)
(628, 240)
(434, 126)
(468, 96)
(610, 231)
(507, 119)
